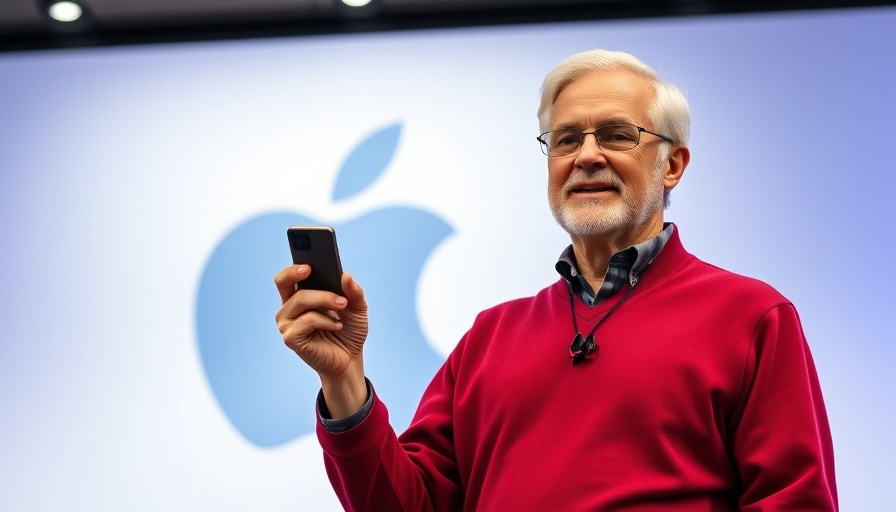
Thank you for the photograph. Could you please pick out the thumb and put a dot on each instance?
(353, 291)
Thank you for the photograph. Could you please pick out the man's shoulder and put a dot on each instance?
(713, 277)
(521, 304)
(691, 274)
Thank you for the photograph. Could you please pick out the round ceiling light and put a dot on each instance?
(65, 12)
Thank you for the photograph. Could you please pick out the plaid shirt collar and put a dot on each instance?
(626, 266)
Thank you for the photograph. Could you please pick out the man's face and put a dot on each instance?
(598, 192)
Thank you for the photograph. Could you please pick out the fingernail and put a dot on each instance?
(341, 301)
(301, 269)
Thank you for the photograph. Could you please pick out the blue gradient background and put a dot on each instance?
(121, 169)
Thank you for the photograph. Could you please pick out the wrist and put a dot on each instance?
(346, 394)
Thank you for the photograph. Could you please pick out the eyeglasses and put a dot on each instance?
(615, 137)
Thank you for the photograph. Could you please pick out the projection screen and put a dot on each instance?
(146, 190)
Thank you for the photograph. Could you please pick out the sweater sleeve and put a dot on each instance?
(370, 468)
(782, 443)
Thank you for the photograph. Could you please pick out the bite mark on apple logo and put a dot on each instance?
(265, 391)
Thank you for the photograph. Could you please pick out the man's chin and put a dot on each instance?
(591, 221)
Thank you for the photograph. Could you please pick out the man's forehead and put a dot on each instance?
(588, 122)
(593, 114)
(603, 97)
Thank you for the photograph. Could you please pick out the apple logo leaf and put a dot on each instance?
(263, 389)
(366, 162)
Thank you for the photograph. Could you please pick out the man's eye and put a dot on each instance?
(566, 139)
(622, 136)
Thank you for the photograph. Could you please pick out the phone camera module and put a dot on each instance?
(302, 242)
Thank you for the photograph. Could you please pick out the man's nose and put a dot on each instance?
(590, 151)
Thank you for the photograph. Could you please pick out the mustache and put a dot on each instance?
(581, 178)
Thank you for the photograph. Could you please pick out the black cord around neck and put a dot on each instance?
(582, 347)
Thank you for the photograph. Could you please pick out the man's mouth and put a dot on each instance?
(592, 188)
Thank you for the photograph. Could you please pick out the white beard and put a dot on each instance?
(597, 218)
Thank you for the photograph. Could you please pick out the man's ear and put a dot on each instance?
(675, 166)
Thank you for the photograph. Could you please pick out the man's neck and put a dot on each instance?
(593, 253)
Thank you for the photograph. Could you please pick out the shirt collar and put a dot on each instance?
(626, 266)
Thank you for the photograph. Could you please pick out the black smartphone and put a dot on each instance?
(316, 246)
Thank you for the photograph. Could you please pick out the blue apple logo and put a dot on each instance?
(264, 389)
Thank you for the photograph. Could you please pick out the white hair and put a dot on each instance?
(669, 113)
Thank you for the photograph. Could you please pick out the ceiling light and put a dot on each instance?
(359, 8)
(65, 12)
(65, 16)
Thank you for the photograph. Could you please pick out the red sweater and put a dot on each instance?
(702, 396)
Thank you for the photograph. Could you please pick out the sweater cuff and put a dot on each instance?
(361, 439)
(343, 424)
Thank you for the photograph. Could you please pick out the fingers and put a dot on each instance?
(326, 330)
(287, 278)
(310, 310)
(294, 330)
(306, 310)
(303, 301)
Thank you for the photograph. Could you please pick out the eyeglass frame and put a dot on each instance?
(546, 151)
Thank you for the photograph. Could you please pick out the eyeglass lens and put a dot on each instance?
(616, 137)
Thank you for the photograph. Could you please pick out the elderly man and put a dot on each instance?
(643, 379)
